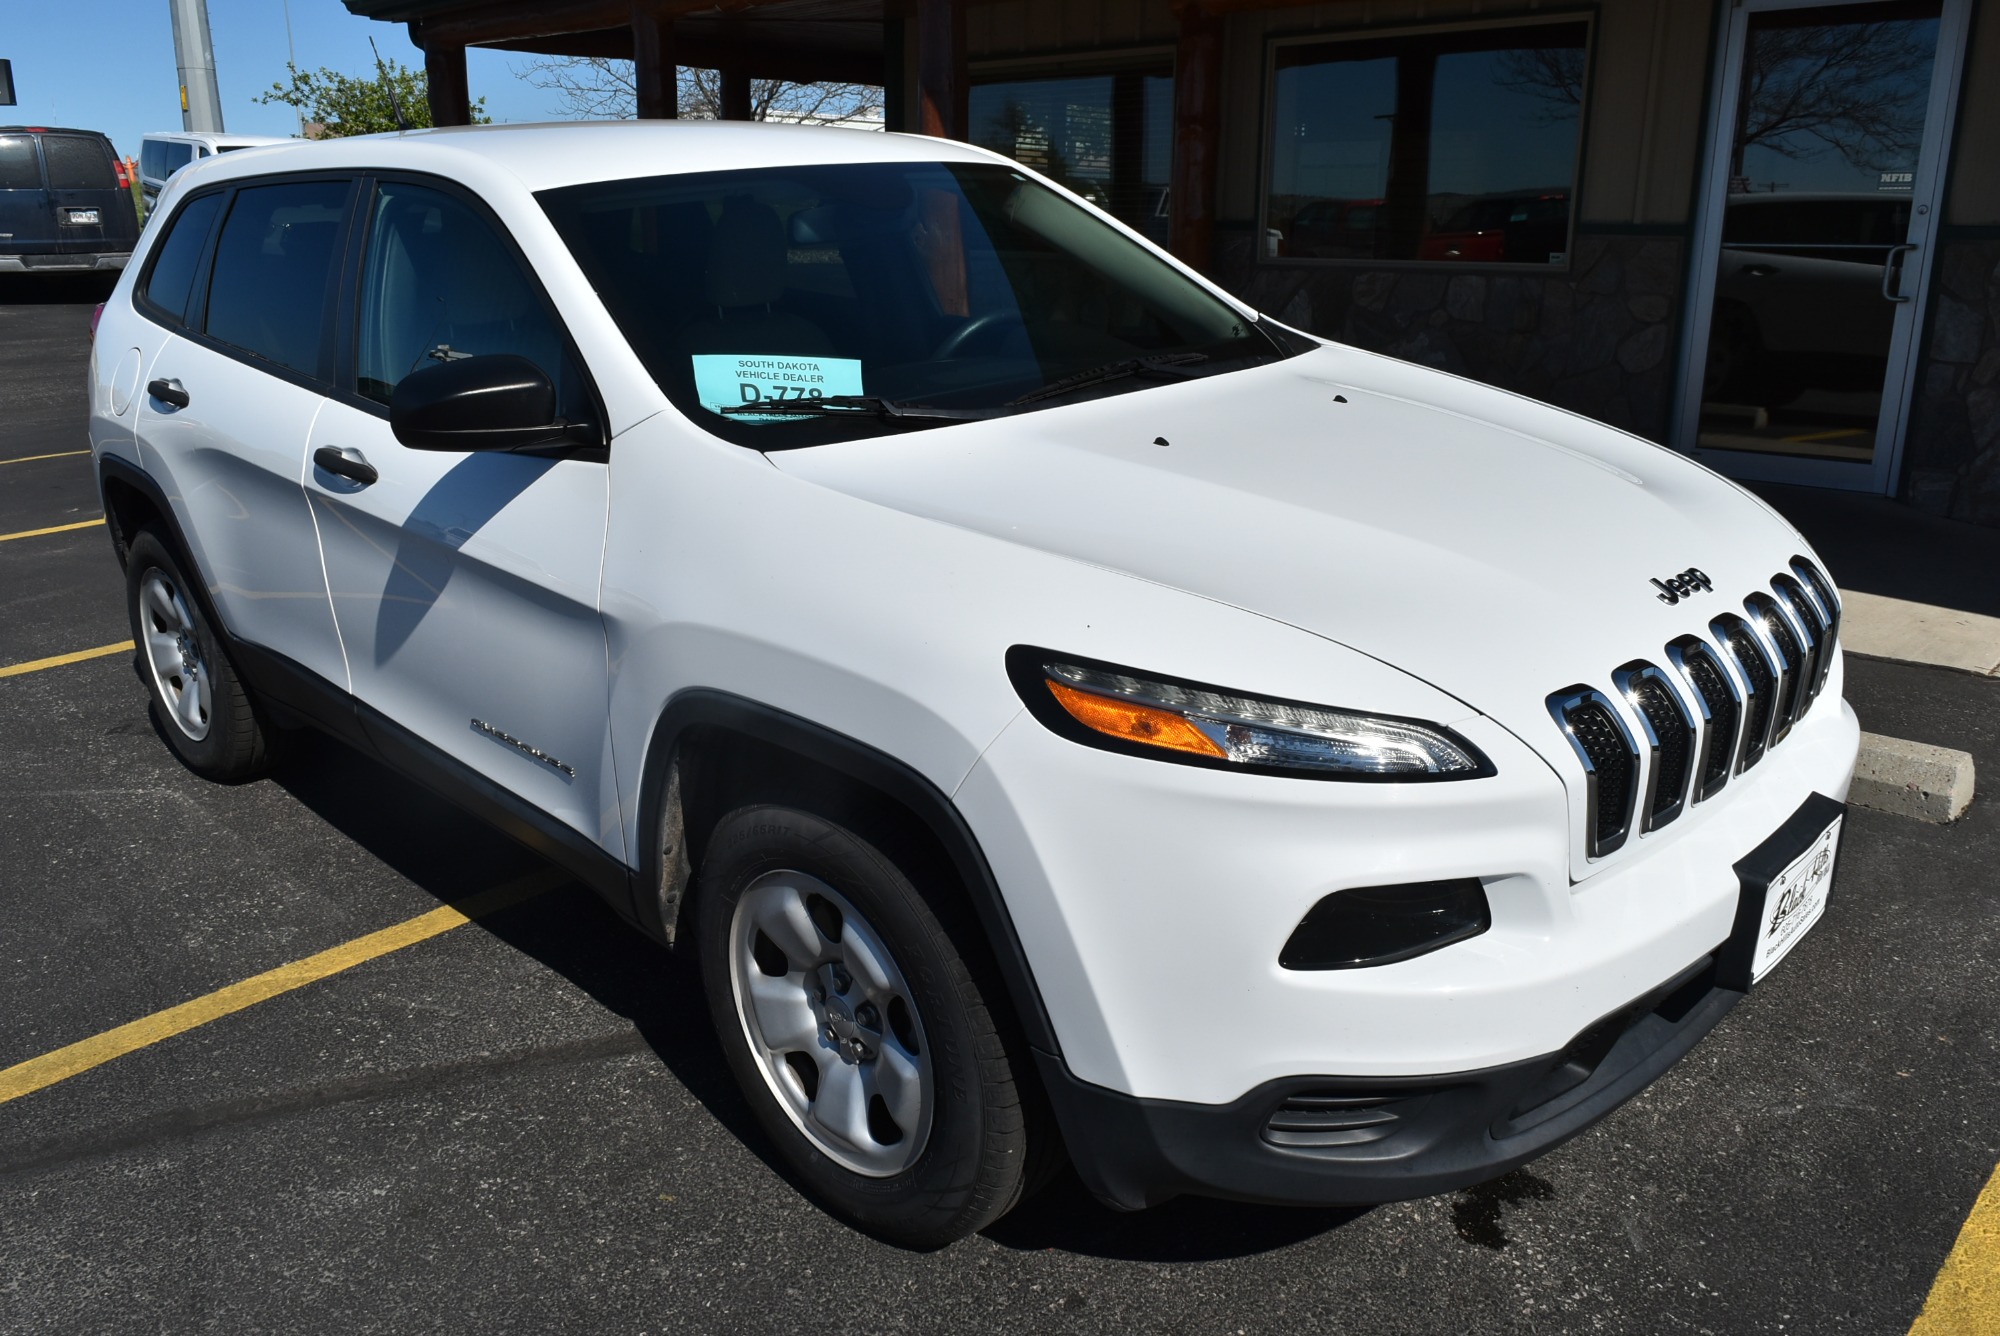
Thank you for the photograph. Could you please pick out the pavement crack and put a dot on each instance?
(189, 1120)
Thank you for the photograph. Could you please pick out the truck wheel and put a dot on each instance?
(855, 1026)
(203, 708)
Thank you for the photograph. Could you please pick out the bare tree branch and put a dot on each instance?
(598, 88)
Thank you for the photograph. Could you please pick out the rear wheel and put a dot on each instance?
(203, 709)
(857, 1029)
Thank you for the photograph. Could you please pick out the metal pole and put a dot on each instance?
(194, 53)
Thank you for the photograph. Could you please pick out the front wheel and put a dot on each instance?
(856, 1028)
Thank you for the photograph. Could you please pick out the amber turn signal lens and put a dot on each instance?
(1135, 722)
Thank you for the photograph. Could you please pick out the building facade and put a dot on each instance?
(1763, 232)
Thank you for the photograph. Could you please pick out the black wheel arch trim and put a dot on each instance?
(895, 779)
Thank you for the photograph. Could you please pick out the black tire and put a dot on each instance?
(234, 744)
(973, 1164)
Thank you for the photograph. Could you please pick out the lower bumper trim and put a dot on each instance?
(1331, 1140)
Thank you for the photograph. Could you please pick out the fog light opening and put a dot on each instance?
(1379, 925)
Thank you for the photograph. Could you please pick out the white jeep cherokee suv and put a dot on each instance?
(1058, 707)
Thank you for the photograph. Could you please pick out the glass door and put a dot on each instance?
(1814, 238)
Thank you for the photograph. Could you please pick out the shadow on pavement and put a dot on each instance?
(451, 854)
(1884, 547)
(57, 289)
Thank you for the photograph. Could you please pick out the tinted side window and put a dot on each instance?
(172, 276)
(18, 168)
(153, 159)
(272, 265)
(438, 284)
(77, 162)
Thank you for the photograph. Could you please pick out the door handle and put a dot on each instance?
(1892, 274)
(349, 464)
(168, 391)
(1760, 270)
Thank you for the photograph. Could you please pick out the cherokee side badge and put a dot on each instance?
(1685, 585)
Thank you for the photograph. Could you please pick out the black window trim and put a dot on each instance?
(348, 317)
(1588, 15)
(194, 328)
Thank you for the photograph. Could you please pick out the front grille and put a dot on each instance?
(1669, 732)
(1310, 1119)
(1727, 699)
(1721, 711)
(1610, 762)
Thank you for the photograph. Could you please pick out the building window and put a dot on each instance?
(1108, 137)
(1456, 145)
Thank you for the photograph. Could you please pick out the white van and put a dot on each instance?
(164, 153)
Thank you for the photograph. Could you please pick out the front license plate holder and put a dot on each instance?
(1783, 889)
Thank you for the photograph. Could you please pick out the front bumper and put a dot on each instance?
(63, 264)
(1329, 1141)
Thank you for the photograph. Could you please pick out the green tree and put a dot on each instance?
(345, 105)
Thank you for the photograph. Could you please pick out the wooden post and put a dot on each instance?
(1197, 136)
(657, 79)
(941, 83)
(444, 74)
(735, 94)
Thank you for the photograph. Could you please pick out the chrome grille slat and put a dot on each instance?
(1787, 659)
(1670, 735)
(1721, 705)
(1759, 681)
(1811, 631)
(1610, 757)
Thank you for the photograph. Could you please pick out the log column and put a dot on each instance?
(1197, 136)
(656, 79)
(444, 74)
(941, 81)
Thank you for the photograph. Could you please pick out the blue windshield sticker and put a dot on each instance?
(731, 380)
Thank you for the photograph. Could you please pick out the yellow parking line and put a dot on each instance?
(1965, 1297)
(58, 660)
(39, 1073)
(29, 459)
(59, 528)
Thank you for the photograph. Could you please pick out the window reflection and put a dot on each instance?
(1455, 146)
(1108, 137)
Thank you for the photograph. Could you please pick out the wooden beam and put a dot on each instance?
(735, 93)
(758, 57)
(654, 63)
(444, 75)
(1197, 137)
(941, 79)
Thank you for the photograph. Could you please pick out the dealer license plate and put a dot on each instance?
(1794, 901)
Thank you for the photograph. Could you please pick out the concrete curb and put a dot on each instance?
(1912, 779)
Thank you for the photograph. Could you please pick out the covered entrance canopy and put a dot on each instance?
(915, 51)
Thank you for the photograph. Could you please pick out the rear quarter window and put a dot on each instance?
(77, 162)
(18, 168)
(170, 280)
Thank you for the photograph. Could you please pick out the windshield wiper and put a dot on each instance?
(855, 405)
(1161, 365)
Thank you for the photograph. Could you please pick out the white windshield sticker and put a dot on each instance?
(730, 380)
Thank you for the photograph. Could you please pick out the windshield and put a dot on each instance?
(954, 286)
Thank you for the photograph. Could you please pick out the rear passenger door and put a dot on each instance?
(229, 397)
(465, 584)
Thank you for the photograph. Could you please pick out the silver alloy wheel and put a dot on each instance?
(173, 653)
(831, 1022)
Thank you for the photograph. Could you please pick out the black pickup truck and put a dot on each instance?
(61, 207)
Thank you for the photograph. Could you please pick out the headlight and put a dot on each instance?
(1104, 706)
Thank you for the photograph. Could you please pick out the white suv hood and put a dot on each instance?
(1492, 546)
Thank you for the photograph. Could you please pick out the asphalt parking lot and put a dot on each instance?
(524, 1123)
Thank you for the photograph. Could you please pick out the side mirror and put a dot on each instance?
(496, 402)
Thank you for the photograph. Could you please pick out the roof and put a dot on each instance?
(545, 156)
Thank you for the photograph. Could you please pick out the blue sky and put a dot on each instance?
(109, 64)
